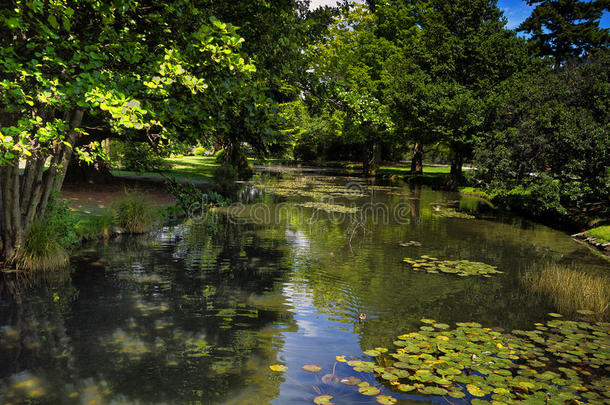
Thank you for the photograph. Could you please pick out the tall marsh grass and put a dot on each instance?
(135, 214)
(42, 249)
(570, 288)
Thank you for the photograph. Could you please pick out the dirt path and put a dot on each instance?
(96, 197)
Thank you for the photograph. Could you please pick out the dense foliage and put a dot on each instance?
(366, 82)
(549, 150)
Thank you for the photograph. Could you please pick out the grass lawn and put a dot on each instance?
(601, 233)
(200, 168)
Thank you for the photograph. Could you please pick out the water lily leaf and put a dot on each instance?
(428, 321)
(555, 315)
(474, 390)
(312, 368)
(372, 353)
(322, 399)
(441, 326)
(456, 394)
(585, 312)
(433, 391)
(351, 381)
(386, 399)
(406, 387)
(340, 359)
(278, 367)
(369, 390)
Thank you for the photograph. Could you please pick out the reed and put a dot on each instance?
(570, 288)
(135, 214)
(42, 250)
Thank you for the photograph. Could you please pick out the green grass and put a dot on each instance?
(601, 233)
(198, 168)
(406, 170)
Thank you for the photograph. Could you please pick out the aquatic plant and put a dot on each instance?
(460, 267)
(558, 361)
(452, 213)
(135, 214)
(42, 249)
(571, 288)
(330, 207)
(96, 226)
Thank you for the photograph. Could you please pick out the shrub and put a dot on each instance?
(134, 214)
(225, 177)
(199, 151)
(570, 288)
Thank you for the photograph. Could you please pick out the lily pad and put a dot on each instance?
(322, 399)
(386, 399)
(312, 368)
(351, 381)
(278, 367)
(367, 389)
(460, 267)
(475, 390)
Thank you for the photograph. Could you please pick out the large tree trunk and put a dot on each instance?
(456, 166)
(24, 198)
(417, 162)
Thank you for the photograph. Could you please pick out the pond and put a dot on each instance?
(198, 311)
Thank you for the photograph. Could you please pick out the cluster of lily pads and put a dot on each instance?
(363, 387)
(559, 361)
(344, 209)
(460, 267)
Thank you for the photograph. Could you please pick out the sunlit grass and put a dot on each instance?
(571, 288)
(198, 168)
(601, 233)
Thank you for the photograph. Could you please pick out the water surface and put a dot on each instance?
(196, 313)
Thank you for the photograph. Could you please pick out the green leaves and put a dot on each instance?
(559, 360)
(459, 267)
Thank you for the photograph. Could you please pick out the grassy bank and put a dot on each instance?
(601, 233)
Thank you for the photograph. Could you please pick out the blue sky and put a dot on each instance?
(514, 10)
(517, 10)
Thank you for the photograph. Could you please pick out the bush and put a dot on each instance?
(134, 214)
(225, 177)
(199, 151)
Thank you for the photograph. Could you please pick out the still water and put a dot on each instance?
(195, 313)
